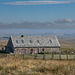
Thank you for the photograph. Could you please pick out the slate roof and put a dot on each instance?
(35, 41)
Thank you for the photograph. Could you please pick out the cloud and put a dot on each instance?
(35, 2)
(58, 24)
(64, 21)
(69, 20)
(26, 25)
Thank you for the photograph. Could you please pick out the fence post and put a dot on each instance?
(60, 56)
(6, 55)
(67, 56)
(52, 55)
(44, 56)
(14, 54)
(74, 57)
(23, 56)
(35, 56)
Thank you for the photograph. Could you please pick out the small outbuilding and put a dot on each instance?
(32, 44)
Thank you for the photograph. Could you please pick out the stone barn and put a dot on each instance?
(32, 44)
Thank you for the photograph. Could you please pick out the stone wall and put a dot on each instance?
(35, 50)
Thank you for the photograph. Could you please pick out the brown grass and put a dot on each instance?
(3, 43)
(12, 65)
(67, 43)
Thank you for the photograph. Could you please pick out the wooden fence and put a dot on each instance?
(54, 56)
(42, 56)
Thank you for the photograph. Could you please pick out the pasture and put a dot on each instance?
(16, 65)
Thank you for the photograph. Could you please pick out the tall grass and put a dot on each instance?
(12, 65)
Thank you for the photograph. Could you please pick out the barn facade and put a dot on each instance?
(32, 44)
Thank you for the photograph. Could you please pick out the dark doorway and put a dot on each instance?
(31, 51)
(43, 49)
(38, 50)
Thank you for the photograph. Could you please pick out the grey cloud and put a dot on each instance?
(27, 25)
(35, 2)
(64, 23)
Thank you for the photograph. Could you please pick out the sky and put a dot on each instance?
(37, 14)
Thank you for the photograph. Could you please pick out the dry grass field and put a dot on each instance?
(67, 43)
(13, 65)
(3, 43)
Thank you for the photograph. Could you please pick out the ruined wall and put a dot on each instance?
(35, 50)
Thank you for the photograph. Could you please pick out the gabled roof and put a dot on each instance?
(35, 41)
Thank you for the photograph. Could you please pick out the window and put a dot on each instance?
(38, 41)
(43, 49)
(22, 41)
(30, 41)
(50, 41)
(16, 41)
(31, 51)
